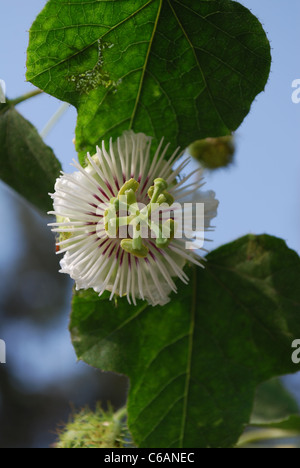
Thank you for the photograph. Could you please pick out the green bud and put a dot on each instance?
(97, 429)
(214, 153)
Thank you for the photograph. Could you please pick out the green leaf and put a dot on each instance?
(26, 163)
(195, 363)
(290, 423)
(183, 69)
(272, 403)
(275, 417)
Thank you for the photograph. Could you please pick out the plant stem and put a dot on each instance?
(120, 414)
(26, 96)
(54, 119)
(118, 419)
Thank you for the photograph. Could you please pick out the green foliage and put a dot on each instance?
(26, 163)
(290, 423)
(275, 421)
(195, 363)
(272, 403)
(186, 70)
(182, 69)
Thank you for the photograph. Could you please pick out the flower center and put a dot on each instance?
(124, 213)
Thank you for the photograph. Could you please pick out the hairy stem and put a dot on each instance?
(25, 97)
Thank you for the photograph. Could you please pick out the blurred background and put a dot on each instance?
(42, 382)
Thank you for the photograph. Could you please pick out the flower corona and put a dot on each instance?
(117, 220)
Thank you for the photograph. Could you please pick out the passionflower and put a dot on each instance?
(104, 220)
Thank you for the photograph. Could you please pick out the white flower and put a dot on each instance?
(140, 268)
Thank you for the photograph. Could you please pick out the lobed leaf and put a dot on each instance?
(195, 363)
(182, 69)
